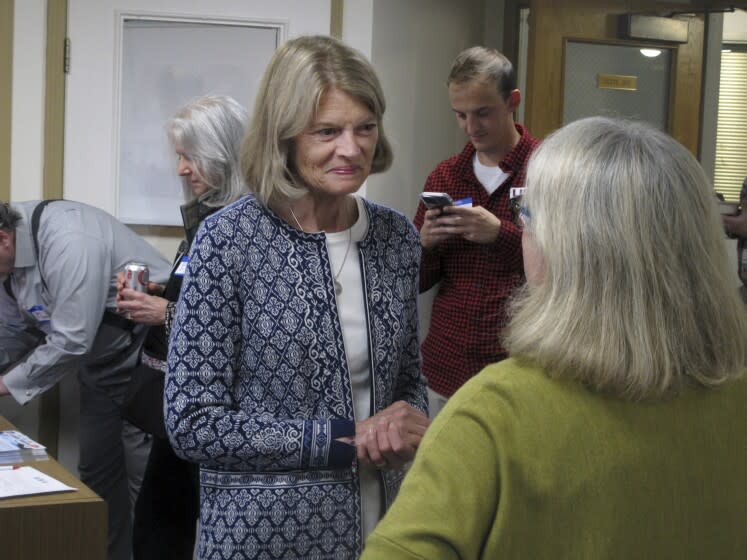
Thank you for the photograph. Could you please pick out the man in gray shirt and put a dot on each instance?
(57, 302)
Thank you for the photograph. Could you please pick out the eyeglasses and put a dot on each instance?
(524, 216)
(520, 212)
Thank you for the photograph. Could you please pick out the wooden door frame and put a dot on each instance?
(54, 99)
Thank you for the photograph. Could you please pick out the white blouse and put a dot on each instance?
(345, 266)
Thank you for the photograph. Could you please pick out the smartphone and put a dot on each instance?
(436, 199)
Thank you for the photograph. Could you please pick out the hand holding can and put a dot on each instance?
(136, 276)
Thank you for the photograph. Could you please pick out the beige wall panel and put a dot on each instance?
(54, 98)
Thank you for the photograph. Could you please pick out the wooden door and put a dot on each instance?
(553, 23)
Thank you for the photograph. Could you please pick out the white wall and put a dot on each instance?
(357, 24)
(27, 116)
(735, 27)
(414, 44)
(493, 24)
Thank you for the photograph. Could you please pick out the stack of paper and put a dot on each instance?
(16, 447)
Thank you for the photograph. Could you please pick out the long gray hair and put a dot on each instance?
(637, 295)
(210, 130)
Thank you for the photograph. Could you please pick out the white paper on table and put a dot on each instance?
(26, 481)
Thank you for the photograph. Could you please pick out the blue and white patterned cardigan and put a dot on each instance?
(258, 388)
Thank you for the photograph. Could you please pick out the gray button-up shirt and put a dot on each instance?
(82, 249)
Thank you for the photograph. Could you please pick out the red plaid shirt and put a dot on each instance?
(476, 280)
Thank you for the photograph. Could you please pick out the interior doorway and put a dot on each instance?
(563, 36)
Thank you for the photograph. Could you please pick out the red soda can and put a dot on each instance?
(136, 276)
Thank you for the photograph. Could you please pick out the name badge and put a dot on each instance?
(515, 192)
(39, 313)
(181, 268)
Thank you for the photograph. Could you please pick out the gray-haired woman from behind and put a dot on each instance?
(617, 428)
(206, 136)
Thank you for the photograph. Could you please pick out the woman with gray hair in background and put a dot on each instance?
(206, 136)
(294, 366)
(617, 428)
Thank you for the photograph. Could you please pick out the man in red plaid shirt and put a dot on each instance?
(474, 251)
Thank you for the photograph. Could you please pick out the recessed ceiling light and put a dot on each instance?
(651, 53)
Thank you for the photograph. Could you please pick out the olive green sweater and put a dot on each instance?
(521, 466)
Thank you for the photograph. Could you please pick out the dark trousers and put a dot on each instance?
(113, 456)
(167, 507)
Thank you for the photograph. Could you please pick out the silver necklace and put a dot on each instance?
(338, 285)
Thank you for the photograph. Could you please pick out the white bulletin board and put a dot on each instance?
(164, 64)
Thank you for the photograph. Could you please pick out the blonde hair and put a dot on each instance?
(300, 72)
(637, 295)
(481, 64)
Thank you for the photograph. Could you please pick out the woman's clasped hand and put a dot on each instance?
(389, 438)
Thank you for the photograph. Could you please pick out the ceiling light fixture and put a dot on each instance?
(650, 53)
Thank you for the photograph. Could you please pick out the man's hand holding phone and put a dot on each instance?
(445, 218)
(431, 233)
(438, 200)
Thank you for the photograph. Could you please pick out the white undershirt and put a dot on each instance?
(491, 177)
(352, 311)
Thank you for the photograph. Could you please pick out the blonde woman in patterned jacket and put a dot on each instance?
(294, 367)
